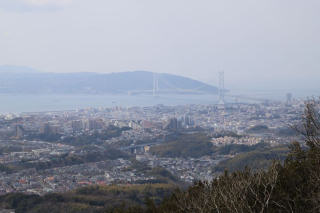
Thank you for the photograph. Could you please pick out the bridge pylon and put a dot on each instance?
(221, 88)
(155, 89)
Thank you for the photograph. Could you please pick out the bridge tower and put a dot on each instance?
(221, 88)
(155, 89)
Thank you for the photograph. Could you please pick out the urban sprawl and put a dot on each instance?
(60, 151)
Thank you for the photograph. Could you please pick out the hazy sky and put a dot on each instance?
(258, 43)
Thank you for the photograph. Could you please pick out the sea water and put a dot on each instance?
(39, 103)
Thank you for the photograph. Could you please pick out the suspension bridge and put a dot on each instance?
(162, 86)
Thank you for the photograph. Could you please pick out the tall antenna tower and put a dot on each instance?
(221, 88)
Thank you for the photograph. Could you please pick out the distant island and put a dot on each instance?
(23, 80)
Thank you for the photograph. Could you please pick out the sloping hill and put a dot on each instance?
(95, 83)
(16, 69)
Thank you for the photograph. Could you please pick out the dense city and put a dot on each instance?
(60, 151)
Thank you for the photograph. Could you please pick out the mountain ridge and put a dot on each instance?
(17, 69)
(29, 81)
